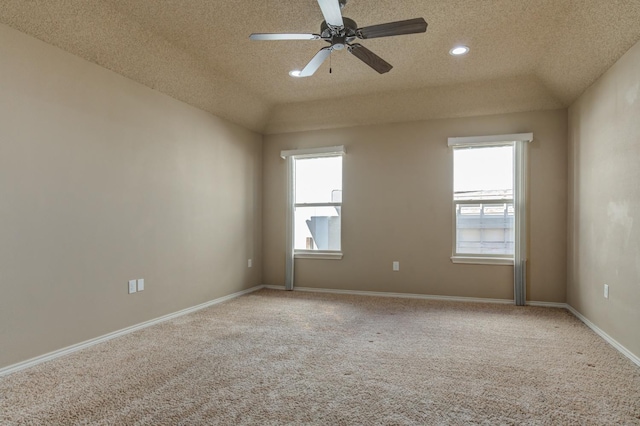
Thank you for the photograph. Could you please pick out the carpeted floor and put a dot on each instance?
(275, 357)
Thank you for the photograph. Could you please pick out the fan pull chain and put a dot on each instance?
(330, 56)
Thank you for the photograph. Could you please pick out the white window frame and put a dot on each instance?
(519, 197)
(480, 258)
(291, 253)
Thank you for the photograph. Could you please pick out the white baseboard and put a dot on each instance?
(626, 352)
(87, 343)
(398, 295)
(547, 304)
(419, 296)
(82, 345)
(274, 287)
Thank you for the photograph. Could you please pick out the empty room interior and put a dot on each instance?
(320, 212)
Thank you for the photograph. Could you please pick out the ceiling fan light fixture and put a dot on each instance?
(459, 50)
(295, 73)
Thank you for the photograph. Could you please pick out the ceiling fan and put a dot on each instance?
(340, 32)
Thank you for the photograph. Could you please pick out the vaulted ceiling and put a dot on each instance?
(525, 55)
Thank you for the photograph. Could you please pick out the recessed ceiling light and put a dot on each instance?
(294, 73)
(459, 50)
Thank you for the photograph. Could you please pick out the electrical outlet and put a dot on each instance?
(396, 266)
(132, 286)
(606, 291)
(140, 284)
(249, 263)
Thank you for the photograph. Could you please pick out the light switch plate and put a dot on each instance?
(250, 263)
(396, 266)
(132, 286)
(140, 284)
(606, 291)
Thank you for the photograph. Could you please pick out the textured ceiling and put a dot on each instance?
(525, 54)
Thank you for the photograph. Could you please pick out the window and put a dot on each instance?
(314, 205)
(317, 204)
(483, 182)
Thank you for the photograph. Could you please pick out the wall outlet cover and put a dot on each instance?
(132, 286)
(396, 266)
(140, 284)
(250, 263)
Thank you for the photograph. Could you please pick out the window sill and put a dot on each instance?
(315, 254)
(482, 260)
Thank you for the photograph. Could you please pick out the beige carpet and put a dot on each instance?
(275, 357)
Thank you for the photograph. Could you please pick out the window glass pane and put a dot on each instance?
(319, 180)
(317, 228)
(483, 173)
(485, 229)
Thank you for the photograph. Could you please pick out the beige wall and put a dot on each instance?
(103, 180)
(604, 202)
(492, 97)
(397, 187)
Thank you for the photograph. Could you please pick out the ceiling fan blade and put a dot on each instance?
(274, 36)
(331, 12)
(315, 63)
(410, 26)
(370, 58)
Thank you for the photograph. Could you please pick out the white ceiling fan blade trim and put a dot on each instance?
(315, 63)
(282, 36)
(331, 12)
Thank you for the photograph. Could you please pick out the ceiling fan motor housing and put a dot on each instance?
(339, 37)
